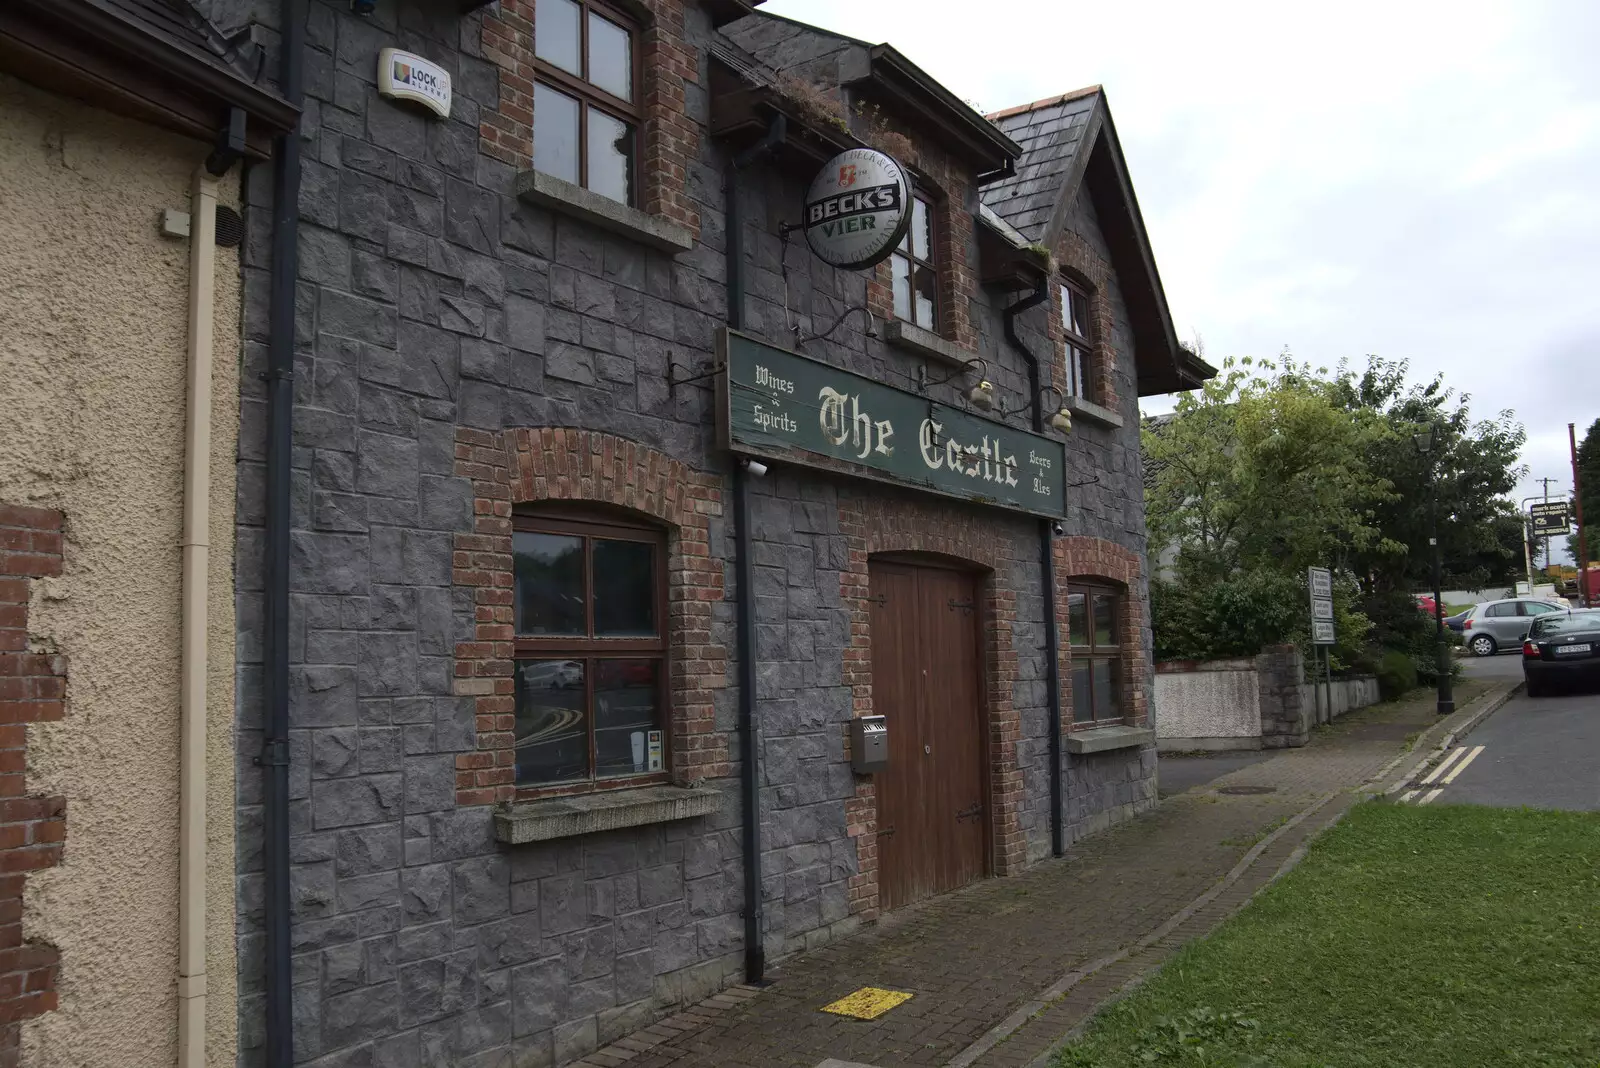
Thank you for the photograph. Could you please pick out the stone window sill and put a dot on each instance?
(925, 343)
(578, 202)
(1091, 411)
(520, 822)
(1105, 739)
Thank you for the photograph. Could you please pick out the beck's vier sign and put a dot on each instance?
(785, 406)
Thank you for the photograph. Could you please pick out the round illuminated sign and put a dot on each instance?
(858, 209)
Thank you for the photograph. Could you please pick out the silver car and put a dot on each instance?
(1496, 625)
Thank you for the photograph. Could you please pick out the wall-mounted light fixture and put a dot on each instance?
(980, 396)
(756, 468)
(1060, 420)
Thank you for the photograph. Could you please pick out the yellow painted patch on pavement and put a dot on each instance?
(868, 1003)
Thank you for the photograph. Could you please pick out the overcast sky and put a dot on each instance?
(1416, 180)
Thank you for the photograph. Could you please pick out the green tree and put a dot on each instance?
(1257, 476)
(1472, 467)
(1589, 476)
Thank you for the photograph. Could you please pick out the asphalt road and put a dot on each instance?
(1499, 666)
(1541, 753)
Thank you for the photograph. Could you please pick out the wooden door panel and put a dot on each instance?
(926, 681)
(896, 695)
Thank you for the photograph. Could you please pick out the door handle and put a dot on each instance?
(970, 812)
(887, 832)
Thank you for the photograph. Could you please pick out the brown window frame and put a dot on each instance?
(587, 648)
(908, 254)
(1091, 651)
(590, 95)
(1081, 384)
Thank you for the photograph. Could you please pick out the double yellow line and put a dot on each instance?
(1451, 766)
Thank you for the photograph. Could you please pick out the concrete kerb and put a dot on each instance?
(1455, 727)
(1057, 990)
(1047, 1058)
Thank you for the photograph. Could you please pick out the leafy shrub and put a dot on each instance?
(1237, 616)
(1397, 674)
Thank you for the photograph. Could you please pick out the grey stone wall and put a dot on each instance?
(430, 298)
(1286, 710)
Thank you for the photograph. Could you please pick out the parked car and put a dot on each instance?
(1562, 647)
(1458, 622)
(1496, 625)
(1427, 604)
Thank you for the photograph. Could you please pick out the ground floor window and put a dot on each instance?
(1094, 634)
(591, 650)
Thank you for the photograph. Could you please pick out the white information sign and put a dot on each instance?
(1320, 582)
(404, 76)
(857, 209)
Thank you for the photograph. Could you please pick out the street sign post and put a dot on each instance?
(1319, 581)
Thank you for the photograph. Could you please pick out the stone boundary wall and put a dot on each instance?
(1261, 702)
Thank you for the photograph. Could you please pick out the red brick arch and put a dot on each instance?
(873, 524)
(523, 466)
(1095, 558)
(1081, 264)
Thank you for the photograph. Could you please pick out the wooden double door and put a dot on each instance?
(927, 682)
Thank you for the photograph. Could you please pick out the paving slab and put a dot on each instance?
(1001, 970)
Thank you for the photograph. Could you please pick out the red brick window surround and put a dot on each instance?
(1077, 338)
(32, 827)
(1090, 565)
(666, 141)
(1085, 271)
(873, 525)
(526, 469)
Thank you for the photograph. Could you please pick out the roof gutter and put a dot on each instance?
(195, 72)
(1047, 569)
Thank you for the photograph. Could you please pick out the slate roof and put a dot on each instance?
(1051, 132)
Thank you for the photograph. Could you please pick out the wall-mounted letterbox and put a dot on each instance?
(869, 744)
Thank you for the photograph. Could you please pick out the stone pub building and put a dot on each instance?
(549, 673)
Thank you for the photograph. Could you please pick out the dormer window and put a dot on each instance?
(585, 99)
(916, 275)
(1077, 345)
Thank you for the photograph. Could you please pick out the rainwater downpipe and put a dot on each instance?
(195, 548)
(1047, 566)
(274, 758)
(755, 953)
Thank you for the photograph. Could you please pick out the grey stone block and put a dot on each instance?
(482, 889)
(361, 1015)
(363, 799)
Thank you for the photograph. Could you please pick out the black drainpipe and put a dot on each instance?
(274, 756)
(755, 952)
(1047, 565)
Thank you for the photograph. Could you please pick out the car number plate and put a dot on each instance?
(1568, 650)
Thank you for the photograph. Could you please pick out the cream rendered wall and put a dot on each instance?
(92, 353)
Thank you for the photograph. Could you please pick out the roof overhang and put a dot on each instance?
(1005, 258)
(1162, 363)
(960, 126)
(93, 53)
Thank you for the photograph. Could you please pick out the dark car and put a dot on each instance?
(1458, 622)
(1562, 647)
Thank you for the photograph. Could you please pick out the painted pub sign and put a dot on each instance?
(783, 406)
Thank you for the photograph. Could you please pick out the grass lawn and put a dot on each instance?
(1429, 937)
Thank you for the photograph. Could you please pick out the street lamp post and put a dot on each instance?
(1447, 701)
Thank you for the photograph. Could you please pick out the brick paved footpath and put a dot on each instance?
(1109, 911)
